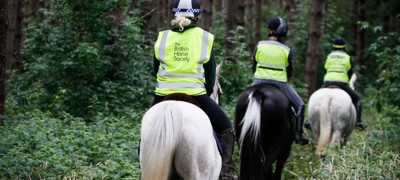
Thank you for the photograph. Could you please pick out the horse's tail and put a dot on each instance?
(160, 140)
(325, 128)
(250, 137)
(251, 121)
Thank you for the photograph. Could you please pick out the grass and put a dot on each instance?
(39, 146)
(370, 154)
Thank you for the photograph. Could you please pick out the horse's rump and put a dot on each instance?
(177, 136)
(332, 117)
(265, 131)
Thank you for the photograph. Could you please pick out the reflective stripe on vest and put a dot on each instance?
(272, 60)
(181, 61)
(337, 65)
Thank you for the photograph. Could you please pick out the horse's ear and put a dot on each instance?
(182, 97)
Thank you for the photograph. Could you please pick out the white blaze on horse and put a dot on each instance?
(332, 116)
(177, 141)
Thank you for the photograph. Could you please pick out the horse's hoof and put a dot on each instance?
(299, 139)
(360, 126)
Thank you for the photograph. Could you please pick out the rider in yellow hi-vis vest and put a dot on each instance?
(273, 64)
(337, 65)
(338, 70)
(182, 60)
(184, 63)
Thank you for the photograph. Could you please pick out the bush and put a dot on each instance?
(77, 61)
(37, 145)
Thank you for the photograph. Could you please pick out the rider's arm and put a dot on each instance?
(253, 60)
(350, 71)
(289, 69)
(209, 73)
(156, 64)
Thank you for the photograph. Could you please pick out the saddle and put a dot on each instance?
(332, 86)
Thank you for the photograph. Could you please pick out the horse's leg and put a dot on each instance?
(281, 162)
(269, 174)
(314, 119)
(345, 139)
(336, 137)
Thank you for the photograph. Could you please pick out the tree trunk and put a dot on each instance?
(230, 24)
(169, 15)
(240, 13)
(258, 22)
(31, 8)
(3, 52)
(147, 13)
(133, 5)
(218, 5)
(160, 17)
(250, 24)
(289, 8)
(206, 14)
(318, 11)
(11, 31)
(360, 34)
(19, 38)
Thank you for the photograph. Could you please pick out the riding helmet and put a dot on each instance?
(187, 8)
(339, 43)
(279, 26)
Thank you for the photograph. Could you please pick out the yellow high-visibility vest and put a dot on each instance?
(181, 56)
(337, 65)
(272, 61)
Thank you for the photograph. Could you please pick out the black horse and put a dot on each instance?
(264, 125)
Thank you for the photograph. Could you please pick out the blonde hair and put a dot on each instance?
(181, 22)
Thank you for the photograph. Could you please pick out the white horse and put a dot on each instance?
(177, 141)
(177, 137)
(332, 116)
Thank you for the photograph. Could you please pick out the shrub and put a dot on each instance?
(77, 61)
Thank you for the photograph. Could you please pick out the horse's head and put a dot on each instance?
(182, 97)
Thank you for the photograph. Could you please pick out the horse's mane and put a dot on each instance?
(217, 90)
(352, 81)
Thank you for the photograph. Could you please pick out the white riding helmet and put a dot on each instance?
(187, 8)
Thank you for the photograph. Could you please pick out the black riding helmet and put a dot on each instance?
(339, 43)
(278, 26)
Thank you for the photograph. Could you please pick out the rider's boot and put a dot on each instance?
(359, 123)
(226, 138)
(298, 138)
